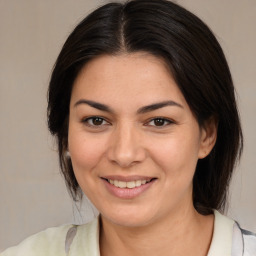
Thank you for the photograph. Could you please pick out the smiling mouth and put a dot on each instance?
(128, 184)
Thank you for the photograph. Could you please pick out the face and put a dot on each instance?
(133, 140)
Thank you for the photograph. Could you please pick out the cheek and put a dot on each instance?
(85, 152)
(177, 155)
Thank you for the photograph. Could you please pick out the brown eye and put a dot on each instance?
(95, 121)
(159, 122)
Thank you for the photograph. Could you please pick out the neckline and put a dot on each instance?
(222, 235)
(86, 241)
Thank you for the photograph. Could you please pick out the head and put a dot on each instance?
(195, 61)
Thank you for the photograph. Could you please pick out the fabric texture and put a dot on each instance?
(71, 240)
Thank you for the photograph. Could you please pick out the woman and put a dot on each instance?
(142, 103)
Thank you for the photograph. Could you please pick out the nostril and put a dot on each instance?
(126, 156)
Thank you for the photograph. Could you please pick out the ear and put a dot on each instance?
(208, 137)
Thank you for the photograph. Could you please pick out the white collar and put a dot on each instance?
(222, 236)
(86, 241)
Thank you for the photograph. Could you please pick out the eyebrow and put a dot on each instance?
(158, 105)
(94, 104)
(141, 110)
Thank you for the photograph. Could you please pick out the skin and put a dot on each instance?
(126, 141)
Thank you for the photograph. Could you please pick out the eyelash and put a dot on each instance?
(94, 118)
(165, 122)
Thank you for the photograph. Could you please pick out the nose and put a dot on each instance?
(126, 146)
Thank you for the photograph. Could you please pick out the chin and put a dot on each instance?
(129, 217)
(126, 221)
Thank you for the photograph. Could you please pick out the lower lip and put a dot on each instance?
(127, 193)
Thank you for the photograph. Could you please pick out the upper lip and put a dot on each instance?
(127, 178)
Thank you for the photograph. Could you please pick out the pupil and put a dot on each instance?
(97, 121)
(159, 122)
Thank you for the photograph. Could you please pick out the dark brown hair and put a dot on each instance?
(196, 62)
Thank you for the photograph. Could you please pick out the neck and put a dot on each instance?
(183, 233)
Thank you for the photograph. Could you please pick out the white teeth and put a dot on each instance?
(121, 184)
(129, 184)
(138, 183)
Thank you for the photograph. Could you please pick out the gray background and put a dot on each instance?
(32, 192)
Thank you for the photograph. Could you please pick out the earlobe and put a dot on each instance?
(208, 137)
(67, 154)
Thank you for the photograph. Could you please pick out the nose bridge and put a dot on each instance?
(126, 147)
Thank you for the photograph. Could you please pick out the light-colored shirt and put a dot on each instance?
(70, 240)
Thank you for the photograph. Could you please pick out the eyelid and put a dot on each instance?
(86, 119)
(168, 120)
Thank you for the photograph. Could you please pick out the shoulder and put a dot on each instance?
(48, 242)
(230, 239)
(60, 241)
(85, 239)
(244, 239)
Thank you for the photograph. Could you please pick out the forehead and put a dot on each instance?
(126, 77)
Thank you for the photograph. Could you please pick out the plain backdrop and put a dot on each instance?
(32, 192)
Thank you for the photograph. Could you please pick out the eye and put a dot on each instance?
(95, 121)
(159, 122)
